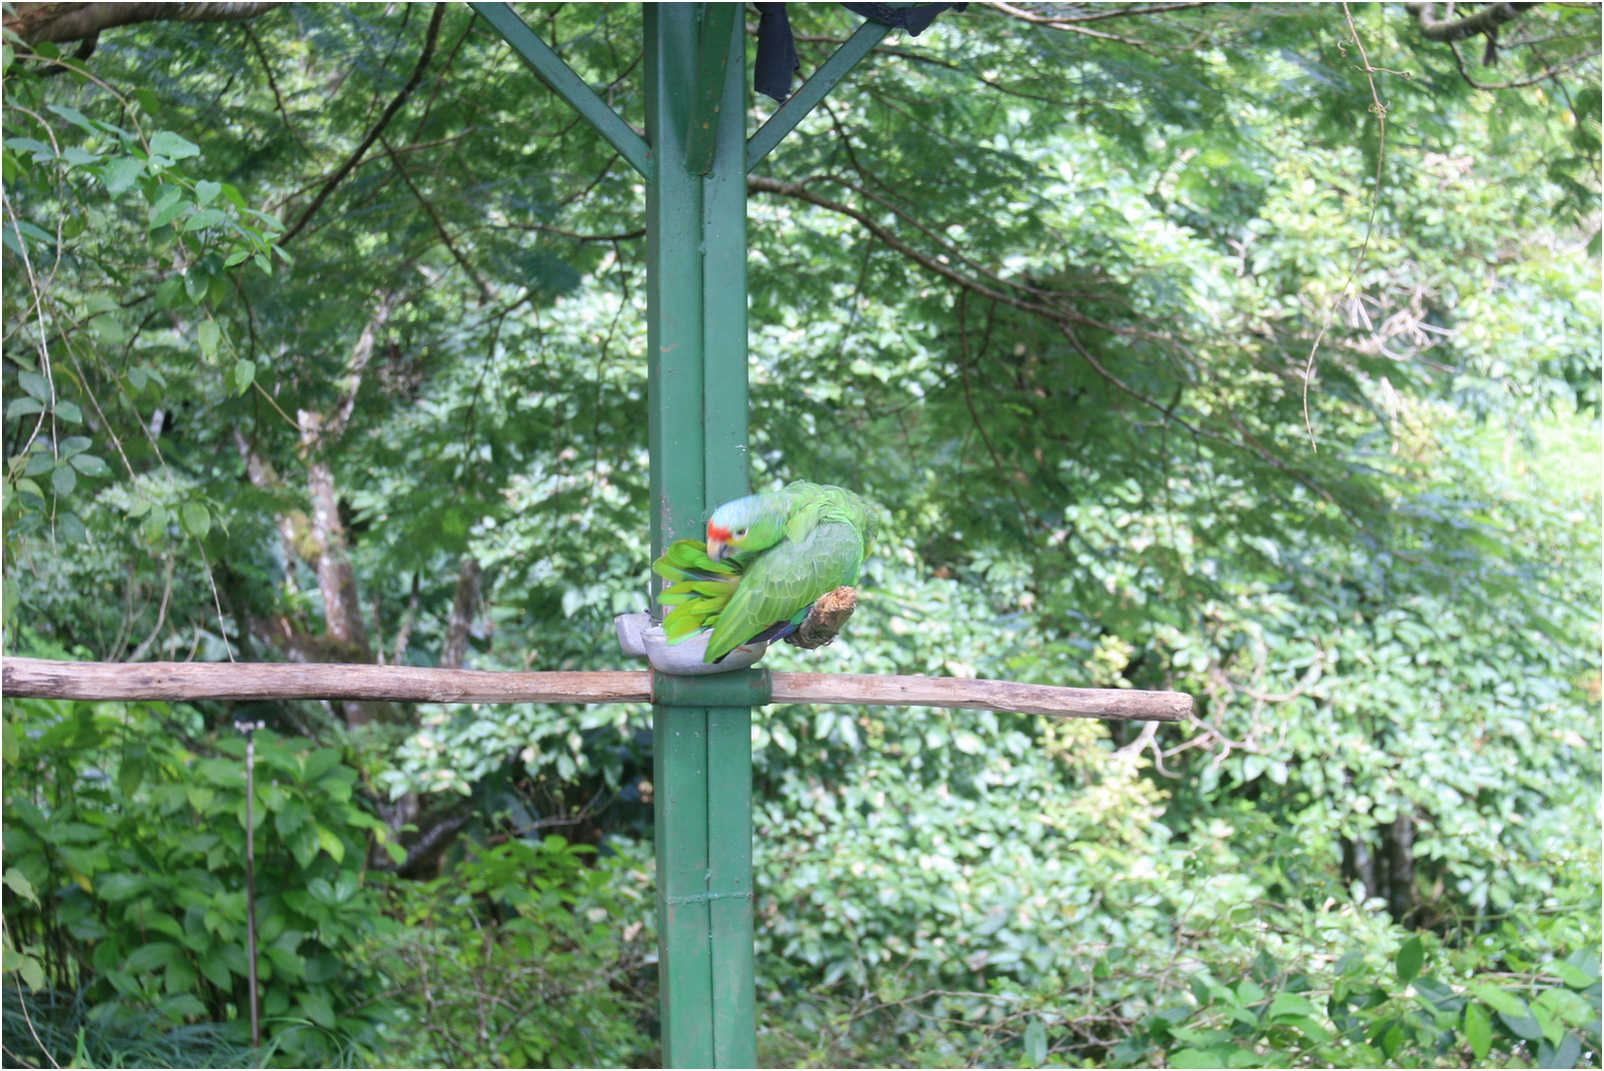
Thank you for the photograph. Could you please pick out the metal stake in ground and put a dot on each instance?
(249, 729)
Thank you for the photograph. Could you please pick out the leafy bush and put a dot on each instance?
(1281, 1015)
(74, 176)
(522, 955)
(131, 843)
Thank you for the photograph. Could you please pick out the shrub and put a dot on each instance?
(523, 955)
(129, 842)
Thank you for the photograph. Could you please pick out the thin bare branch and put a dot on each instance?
(485, 295)
(272, 83)
(1380, 111)
(1520, 83)
(431, 36)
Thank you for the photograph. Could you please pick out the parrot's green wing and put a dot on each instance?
(784, 581)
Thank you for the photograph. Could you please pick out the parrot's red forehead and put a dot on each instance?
(718, 532)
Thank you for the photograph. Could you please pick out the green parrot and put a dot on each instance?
(766, 559)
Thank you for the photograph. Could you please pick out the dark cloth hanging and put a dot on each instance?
(915, 18)
(777, 60)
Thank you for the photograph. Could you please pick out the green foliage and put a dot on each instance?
(81, 189)
(990, 866)
(526, 954)
(1282, 1016)
(1091, 320)
(134, 843)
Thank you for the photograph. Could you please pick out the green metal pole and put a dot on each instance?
(695, 158)
(696, 387)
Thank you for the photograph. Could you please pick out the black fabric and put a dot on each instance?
(777, 61)
(915, 18)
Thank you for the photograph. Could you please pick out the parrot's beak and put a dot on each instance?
(717, 549)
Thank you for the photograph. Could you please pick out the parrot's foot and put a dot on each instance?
(825, 618)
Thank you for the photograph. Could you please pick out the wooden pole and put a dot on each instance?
(177, 681)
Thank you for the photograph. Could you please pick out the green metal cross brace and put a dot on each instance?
(694, 158)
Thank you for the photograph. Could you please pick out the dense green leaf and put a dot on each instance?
(1478, 1030)
(167, 143)
(17, 882)
(1035, 1043)
(196, 518)
(120, 173)
(1410, 956)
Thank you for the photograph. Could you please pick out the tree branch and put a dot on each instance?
(826, 617)
(620, 236)
(334, 426)
(802, 193)
(1099, 12)
(73, 22)
(485, 295)
(430, 38)
(1487, 20)
(1548, 72)
(272, 83)
(1063, 318)
(1069, 24)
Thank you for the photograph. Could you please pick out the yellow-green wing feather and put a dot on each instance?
(699, 590)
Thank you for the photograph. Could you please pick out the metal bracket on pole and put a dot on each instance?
(746, 688)
(562, 80)
(804, 100)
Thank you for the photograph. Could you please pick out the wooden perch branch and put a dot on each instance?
(1002, 696)
(176, 681)
(825, 619)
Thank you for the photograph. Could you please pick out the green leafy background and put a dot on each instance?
(1166, 369)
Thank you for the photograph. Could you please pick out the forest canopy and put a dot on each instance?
(1250, 351)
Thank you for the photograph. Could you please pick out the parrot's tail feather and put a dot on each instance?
(776, 631)
(718, 589)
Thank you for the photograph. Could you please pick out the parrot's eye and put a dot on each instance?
(740, 533)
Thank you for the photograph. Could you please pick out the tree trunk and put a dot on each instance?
(326, 544)
(462, 607)
(73, 22)
(1398, 839)
(319, 539)
(1359, 864)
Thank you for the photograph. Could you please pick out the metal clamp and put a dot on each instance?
(746, 688)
